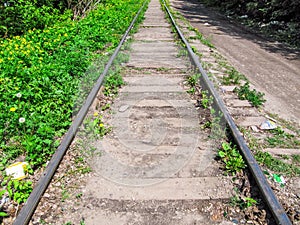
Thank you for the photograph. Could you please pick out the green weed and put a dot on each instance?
(18, 190)
(233, 77)
(2, 214)
(64, 194)
(254, 97)
(266, 159)
(94, 126)
(296, 159)
(112, 83)
(192, 82)
(282, 139)
(231, 157)
(206, 100)
(275, 164)
(191, 91)
(105, 107)
(242, 203)
(193, 79)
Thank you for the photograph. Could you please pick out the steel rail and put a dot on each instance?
(28, 209)
(268, 194)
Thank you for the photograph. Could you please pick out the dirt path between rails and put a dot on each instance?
(271, 68)
(157, 165)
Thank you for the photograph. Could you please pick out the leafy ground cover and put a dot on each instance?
(40, 75)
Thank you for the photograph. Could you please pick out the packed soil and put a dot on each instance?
(271, 67)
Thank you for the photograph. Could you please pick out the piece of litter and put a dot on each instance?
(279, 179)
(3, 200)
(206, 24)
(254, 128)
(270, 118)
(17, 170)
(268, 125)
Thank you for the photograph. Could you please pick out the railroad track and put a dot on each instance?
(156, 162)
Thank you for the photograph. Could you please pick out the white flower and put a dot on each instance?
(22, 120)
(19, 95)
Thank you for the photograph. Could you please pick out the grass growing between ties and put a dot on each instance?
(233, 77)
(177, 16)
(256, 98)
(275, 164)
(279, 138)
(192, 82)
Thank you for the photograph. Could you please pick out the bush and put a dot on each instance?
(18, 16)
(40, 74)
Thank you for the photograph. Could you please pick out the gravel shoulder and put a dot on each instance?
(271, 68)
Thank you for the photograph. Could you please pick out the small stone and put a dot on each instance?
(46, 195)
(235, 221)
(123, 108)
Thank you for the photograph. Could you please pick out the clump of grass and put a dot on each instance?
(256, 98)
(282, 139)
(233, 77)
(276, 165)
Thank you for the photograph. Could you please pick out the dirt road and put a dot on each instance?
(271, 68)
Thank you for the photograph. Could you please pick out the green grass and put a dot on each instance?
(244, 92)
(276, 165)
(177, 16)
(233, 77)
(41, 76)
(279, 138)
(267, 160)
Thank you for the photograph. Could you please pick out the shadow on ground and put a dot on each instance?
(194, 10)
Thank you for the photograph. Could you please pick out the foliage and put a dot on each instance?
(2, 214)
(192, 82)
(282, 139)
(18, 16)
(234, 77)
(40, 72)
(278, 18)
(18, 190)
(266, 159)
(206, 100)
(242, 202)
(193, 79)
(253, 96)
(94, 126)
(233, 160)
(276, 165)
(114, 80)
